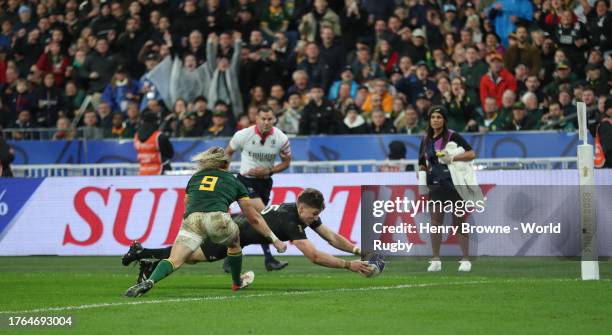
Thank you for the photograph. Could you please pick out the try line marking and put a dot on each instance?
(239, 297)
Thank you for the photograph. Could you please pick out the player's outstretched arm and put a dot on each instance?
(327, 260)
(337, 241)
(259, 224)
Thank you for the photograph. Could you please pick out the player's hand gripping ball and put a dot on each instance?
(377, 264)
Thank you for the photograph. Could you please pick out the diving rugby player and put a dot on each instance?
(209, 193)
(287, 221)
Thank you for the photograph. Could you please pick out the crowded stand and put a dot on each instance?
(91, 69)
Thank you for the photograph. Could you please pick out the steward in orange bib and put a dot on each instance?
(602, 134)
(153, 148)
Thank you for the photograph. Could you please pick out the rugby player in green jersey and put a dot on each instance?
(288, 221)
(209, 193)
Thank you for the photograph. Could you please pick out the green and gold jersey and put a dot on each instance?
(494, 124)
(213, 191)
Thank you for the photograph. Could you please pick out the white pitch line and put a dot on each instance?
(233, 297)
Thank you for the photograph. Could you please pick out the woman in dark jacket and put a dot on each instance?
(439, 181)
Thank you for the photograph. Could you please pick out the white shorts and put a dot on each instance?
(217, 226)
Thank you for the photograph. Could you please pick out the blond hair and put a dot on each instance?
(212, 159)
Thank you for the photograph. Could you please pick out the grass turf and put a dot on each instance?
(500, 296)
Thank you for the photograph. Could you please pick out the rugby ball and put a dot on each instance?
(377, 264)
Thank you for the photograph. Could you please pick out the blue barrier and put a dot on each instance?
(314, 148)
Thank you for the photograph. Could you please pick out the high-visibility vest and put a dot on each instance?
(149, 156)
(600, 155)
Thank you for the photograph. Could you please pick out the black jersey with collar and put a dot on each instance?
(283, 220)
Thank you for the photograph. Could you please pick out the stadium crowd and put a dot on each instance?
(324, 67)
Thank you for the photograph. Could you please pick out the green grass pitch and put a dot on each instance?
(500, 296)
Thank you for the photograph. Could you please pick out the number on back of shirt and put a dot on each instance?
(208, 183)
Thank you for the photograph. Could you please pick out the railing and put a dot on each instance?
(131, 169)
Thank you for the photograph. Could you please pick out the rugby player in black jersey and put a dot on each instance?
(287, 221)
(208, 196)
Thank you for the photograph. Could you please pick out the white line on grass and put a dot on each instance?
(281, 294)
(236, 297)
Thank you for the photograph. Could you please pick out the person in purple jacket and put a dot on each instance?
(441, 188)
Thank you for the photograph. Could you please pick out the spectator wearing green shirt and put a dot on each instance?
(490, 121)
(520, 120)
(274, 19)
(563, 79)
(460, 107)
(472, 70)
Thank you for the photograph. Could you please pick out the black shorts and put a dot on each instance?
(443, 193)
(257, 187)
(440, 184)
(213, 251)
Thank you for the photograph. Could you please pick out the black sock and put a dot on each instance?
(161, 253)
(267, 253)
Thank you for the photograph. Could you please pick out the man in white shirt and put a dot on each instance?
(259, 146)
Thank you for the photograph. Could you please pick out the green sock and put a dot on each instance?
(162, 270)
(235, 263)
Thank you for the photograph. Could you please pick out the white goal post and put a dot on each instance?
(588, 200)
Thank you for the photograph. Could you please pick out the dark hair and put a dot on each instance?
(148, 117)
(397, 150)
(394, 16)
(353, 107)
(200, 98)
(312, 198)
(189, 54)
(430, 132)
(264, 109)
(292, 94)
(494, 35)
